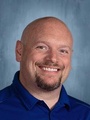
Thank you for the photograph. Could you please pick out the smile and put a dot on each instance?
(49, 69)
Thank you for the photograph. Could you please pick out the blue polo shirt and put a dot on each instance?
(16, 103)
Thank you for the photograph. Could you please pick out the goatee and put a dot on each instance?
(48, 87)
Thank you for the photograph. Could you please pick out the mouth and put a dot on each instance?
(49, 69)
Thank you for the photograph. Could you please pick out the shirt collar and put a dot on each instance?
(29, 101)
(64, 99)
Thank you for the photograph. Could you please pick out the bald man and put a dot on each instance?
(37, 91)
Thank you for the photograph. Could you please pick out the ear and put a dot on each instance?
(18, 51)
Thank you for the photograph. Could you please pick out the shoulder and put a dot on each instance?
(78, 103)
(78, 110)
(6, 93)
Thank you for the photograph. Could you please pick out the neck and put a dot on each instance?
(50, 98)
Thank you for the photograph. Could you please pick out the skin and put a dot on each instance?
(44, 53)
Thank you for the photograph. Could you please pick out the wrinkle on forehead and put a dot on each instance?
(42, 26)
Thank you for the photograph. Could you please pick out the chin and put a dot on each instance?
(48, 84)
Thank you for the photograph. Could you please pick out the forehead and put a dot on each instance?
(52, 37)
(51, 32)
(52, 41)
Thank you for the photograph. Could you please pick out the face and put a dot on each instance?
(46, 59)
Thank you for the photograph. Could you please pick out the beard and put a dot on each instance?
(48, 87)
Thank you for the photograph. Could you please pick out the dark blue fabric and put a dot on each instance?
(16, 103)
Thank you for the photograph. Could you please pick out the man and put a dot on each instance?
(37, 93)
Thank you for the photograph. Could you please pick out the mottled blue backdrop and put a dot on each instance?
(16, 14)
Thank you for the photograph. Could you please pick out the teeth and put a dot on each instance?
(49, 69)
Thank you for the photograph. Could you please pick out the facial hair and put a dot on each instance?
(40, 82)
(48, 87)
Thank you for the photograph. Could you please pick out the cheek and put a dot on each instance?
(32, 60)
(37, 57)
(67, 62)
(65, 73)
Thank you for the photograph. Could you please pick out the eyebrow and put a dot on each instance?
(44, 42)
(64, 46)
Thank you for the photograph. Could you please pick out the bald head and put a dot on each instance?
(42, 25)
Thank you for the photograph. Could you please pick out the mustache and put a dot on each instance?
(50, 63)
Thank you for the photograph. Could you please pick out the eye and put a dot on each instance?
(41, 47)
(64, 51)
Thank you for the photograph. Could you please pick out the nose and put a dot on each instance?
(52, 56)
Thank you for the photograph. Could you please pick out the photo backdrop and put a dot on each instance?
(16, 14)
